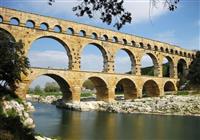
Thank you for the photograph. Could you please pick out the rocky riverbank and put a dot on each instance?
(167, 105)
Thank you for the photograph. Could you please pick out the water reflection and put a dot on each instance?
(71, 125)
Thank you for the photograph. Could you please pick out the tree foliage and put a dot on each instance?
(13, 63)
(194, 71)
(88, 85)
(110, 10)
(38, 90)
(51, 87)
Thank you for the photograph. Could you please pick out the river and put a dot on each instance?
(72, 125)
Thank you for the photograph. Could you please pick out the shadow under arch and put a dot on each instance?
(132, 59)
(169, 87)
(169, 67)
(150, 89)
(65, 46)
(128, 88)
(100, 86)
(63, 84)
(181, 68)
(155, 64)
(103, 52)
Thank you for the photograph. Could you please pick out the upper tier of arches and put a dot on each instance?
(72, 28)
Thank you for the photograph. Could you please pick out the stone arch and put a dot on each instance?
(189, 55)
(171, 51)
(115, 39)
(156, 48)
(148, 46)
(1, 19)
(57, 28)
(141, 45)
(150, 89)
(10, 36)
(70, 31)
(132, 59)
(127, 86)
(100, 86)
(185, 54)
(161, 49)
(94, 35)
(44, 26)
(167, 50)
(124, 41)
(105, 38)
(30, 24)
(133, 43)
(181, 53)
(169, 67)
(155, 63)
(103, 52)
(14, 21)
(181, 68)
(169, 86)
(66, 47)
(82, 33)
(64, 84)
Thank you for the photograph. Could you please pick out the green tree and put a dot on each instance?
(51, 87)
(194, 71)
(38, 90)
(13, 63)
(110, 10)
(88, 85)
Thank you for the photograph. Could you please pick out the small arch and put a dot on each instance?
(189, 55)
(182, 68)
(193, 56)
(171, 51)
(181, 53)
(169, 87)
(141, 45)
(176, 52)
(82, 33)
(150, 89)
(100, 86)
(133, 43)
(156, 48)
(168, 67)
(127, 87)
(70, 31)
(161, 49)
(105, 38)
(14, 21)
(30, 24)
(149, 46)
(115, 39)
(167, 50)
(124, 41)
(94, 36)
(185, 54)
(1, 19)
(57, 29)
(44, 26)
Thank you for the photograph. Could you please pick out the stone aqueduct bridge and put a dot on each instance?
(74, 36)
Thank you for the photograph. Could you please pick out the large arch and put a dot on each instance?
(58, 41)
(182, 68)
(128, 88)
(103, 53)
(118, 61)
(150, 89)
(168, 67)
(8, 34)
(169, 87)
(100, 86)
(63, 84)
(150, 70)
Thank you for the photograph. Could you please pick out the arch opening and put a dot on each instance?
(115, 39)
(1, 19)
(57, 29)
(182, 68)
(93, 58)
(44, 26)
(50, 84)
(124, 62)
(94, 36)
(149, 65)
(14, 21)
(96, 85)
(169, 88)
(168, 67)
(49, 52)
(70, 31)
(30, 24)
(105, 38)
(127, 88)
(82, 33)
(150, 89)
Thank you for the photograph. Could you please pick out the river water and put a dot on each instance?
(72, 125)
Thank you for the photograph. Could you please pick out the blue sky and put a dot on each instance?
(181, 27)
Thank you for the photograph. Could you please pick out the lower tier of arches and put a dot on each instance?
(106, 85)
